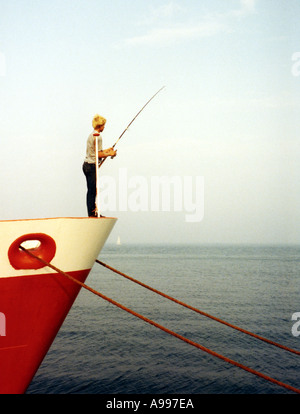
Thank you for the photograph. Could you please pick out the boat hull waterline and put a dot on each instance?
(34, 299)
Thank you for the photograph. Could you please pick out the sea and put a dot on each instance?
(102, 349)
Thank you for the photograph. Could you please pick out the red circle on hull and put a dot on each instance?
(19, 259)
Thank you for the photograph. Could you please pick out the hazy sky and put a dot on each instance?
(228, 118)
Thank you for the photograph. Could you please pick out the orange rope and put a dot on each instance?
(182, 338)
(199, 311)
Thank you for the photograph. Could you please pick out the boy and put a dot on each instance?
(91, 161)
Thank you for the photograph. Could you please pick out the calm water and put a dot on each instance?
(103, 350)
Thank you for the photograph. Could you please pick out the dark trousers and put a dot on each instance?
(89, 171)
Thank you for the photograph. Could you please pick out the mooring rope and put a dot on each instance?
(182, 338)
(261, 338)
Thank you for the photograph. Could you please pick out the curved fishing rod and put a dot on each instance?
(102, 161)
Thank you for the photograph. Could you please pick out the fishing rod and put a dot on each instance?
(102, 161)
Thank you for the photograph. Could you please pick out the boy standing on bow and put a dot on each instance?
(91, 162)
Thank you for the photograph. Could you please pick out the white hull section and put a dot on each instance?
(78, 241)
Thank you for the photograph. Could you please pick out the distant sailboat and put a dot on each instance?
(119, 241)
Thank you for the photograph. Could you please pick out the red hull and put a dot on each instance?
(34, 314)
(35, 299)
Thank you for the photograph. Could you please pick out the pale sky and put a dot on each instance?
(229, 112)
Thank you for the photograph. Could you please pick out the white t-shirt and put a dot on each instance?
(90, 147)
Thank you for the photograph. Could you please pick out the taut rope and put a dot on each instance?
(176, 335)
(199, 311)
